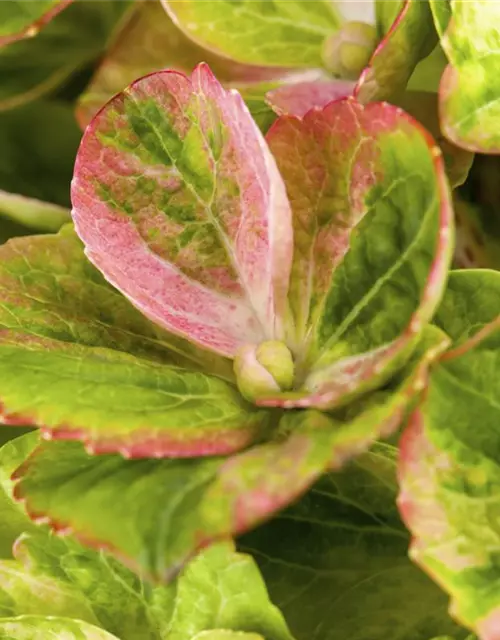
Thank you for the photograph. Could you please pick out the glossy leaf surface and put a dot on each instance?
(266, 32)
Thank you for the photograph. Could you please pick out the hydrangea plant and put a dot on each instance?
(247, 373)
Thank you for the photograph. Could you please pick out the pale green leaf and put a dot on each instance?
(42, 628)
(263, 32)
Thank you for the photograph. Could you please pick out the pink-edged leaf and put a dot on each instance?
(168, 509)
(443, 501)
(115, 402)
(20, 19)
(299, 98)
(352, 174)
(469, 91)
(423, 106)
(180, 205)
(448, 469)
(316, 443)
(408, 39)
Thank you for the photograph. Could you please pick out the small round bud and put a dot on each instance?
(264, 369)
(347, 52)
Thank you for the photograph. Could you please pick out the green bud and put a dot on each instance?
(264, 369)
(347, 52)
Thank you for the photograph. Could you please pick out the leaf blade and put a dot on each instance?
(335, 308)
(266, 33)
(469, 100)
(406, 41)
(113, 401)
(448, 470)
(221, 299)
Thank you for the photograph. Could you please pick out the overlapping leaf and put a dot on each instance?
(408, 36)
(20, 19)
(33, 213)
(89, 366)
(266, 32)
(354, 173)
(48, 288)
(201, 500)
(114, 401)
(469, 90)
(181, 206)
(336, 561)
(219, 589)
(449, 471)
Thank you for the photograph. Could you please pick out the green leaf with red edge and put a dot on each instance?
(263, 32)
(354, 173)
(219, 589)
(168, 509)
(69, 43)
(469, 92)
(13, 520)
(175, 215)
(48, 288)
(114, 401)
(41, 628)
(20, 20)
(407, 39)
(299, 98)
(147, 41)
(423, 106)
(448, 470)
